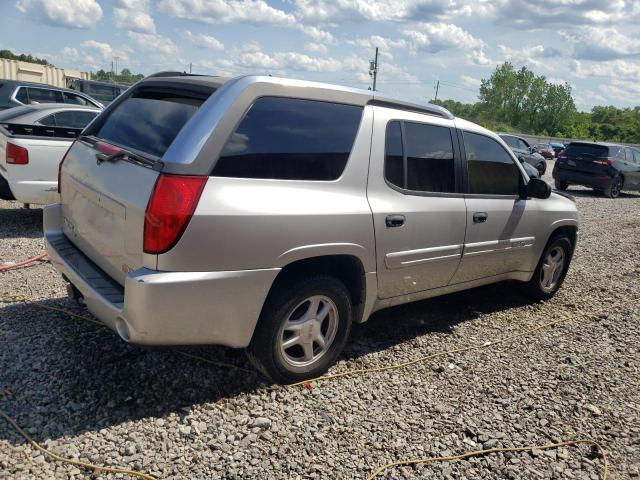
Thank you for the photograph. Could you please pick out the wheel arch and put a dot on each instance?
(347, 268)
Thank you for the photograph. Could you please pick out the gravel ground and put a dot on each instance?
(85, 394)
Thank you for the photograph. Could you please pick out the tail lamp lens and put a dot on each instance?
(171, 206)
(604, 161)
(17, 155)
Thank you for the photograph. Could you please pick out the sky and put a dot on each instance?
(594, 45)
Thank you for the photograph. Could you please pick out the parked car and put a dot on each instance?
(545, 149)
(606, 167)
(557, 148)
(105, 92)
(33, 139)
(525, 153)
(14, 93)
(272, 213)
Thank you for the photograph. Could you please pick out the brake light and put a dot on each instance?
(60, 167)
(604, 161)
(171, 206)
(17, 155)
(562, 156)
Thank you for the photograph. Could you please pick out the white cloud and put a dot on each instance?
(385, 45)
(435, 37)
(537, 55)
(226, 11)
(600, 43)
(627, 91)
(204, 41)
(316, 34)
(62, 13)
(90, 55)
(470, 81)
(316, 48)
(133, 15)
(154, 44)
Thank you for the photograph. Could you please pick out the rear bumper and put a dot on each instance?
(164, 308)
(37, 192)
(595, 180)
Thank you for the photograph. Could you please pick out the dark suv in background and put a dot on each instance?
(524, 152)
(105, 92)
(14, 93)
(606, 167)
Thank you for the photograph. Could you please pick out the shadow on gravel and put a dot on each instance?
(68, 376)
(19, 222)
(590, 193)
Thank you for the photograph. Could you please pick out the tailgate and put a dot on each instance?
(103, 207)
(584, 158)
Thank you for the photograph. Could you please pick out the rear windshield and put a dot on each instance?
(15, 112)
(149, 120)
(586, 150)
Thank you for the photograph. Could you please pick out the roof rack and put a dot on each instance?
(170, 73)
(413, 107)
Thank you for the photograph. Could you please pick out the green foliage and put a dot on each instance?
(22, 57)
(519, 101)
(125, 76)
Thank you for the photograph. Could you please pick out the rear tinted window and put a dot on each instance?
(14, 112)
(291, 139)
(44, 95)
(149, 120)
(586, 150)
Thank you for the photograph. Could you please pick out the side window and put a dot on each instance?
(74, 119)
(49, 121)
(430, 165)
(394, 157)
(522, 145)
(22, 96)
(636, 156)
(291, 139)
(491, 169)
(75, 99)
(44, 95)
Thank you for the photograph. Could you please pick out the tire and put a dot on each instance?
(614, 188)
(539, 287)
(288, 306)
(542, 167)
(561, 185)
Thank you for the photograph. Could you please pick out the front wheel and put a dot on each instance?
(302, 329)
(542, 167)
(551, 269)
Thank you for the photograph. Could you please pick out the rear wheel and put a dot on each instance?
(302, 329)
(551, 269)
(561, 185)
(614, 189)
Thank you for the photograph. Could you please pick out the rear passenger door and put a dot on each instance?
(501, 226)
(418, 210)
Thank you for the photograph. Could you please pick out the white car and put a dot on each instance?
(33, 140)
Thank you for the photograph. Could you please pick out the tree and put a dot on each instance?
(22, 57)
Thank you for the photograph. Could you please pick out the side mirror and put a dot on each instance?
(537, 188)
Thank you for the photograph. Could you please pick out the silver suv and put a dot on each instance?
(271, 214)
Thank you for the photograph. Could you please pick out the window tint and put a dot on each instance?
(44, 95)
(636, 156)
(74, 119)
(491, 170)
(75, 99)
(430, 166)
(586, 150)
(522, 145)
(103, 93)
(509, 140)
(49, 121)
(14, 112)
(394, 159)
(149, 120)
(21, 96)
(292, 139)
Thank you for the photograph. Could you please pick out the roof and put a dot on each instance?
(354, 95)
(20, 83)
(60, 106)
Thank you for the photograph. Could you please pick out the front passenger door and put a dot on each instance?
(501, 226)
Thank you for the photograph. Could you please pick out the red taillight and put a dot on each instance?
(562, 156)
(172, 203)
(17, 155)
(107, 148)
(604, 161)
(60, 167)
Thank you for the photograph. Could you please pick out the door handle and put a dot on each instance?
(395, 221)
(480, 217)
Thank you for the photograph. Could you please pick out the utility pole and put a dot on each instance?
(437, 88)
(116, 59)
(373, 69)
(190, 66)
(112, 77)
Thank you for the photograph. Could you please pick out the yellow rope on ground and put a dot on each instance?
(71, 461)
(378, 471)
(476, 453)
